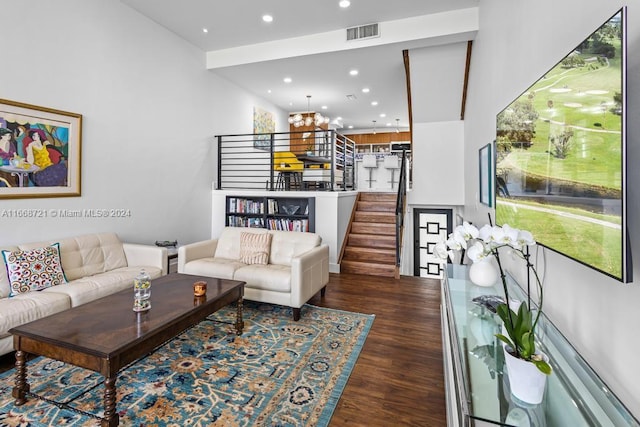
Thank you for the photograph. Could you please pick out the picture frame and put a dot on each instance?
(40, 151)
(263, 126)
(486, 175)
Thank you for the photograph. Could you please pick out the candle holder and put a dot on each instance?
(200, 288)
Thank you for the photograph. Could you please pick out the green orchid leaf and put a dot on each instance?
(527, 345)
(505, 340)
(543, 366)
(503, 312)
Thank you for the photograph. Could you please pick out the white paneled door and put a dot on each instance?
(430, 227)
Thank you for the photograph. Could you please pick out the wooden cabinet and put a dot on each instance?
(380, 142)
(273, 213)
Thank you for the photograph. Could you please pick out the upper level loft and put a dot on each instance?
(307, 160)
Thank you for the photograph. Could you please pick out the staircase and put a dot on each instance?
(370, 246)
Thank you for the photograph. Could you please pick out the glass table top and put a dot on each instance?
(575, 395)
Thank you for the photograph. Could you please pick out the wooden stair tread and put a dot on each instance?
(375, 217)
(372, 241)
(374, 196)
(368, 268)
(376, 206)
(358, 227)
(359, 253)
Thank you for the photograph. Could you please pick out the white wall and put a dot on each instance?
(438, 169)
(517, 42)
(150, 111)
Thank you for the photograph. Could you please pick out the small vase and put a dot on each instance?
(142, 292)
(526, 381)
(483, 273)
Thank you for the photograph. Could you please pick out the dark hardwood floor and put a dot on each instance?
(398, 379)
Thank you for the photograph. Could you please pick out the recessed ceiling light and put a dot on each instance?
(353, 72)
(383, 115)
(287, 80)
(388, 124)
(268, 90)
(344, 3)
(365, 90)
(338, 118)
(324, 107)
(267, 18)
(374, 103)
(350, 126)
(204, 30)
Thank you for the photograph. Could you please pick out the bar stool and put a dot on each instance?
(391, 163)
(289, 180)
(370, 162)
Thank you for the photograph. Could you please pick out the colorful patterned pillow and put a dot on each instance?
(33, 270)
(255, 247)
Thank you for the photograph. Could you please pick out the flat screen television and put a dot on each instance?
(561, 155)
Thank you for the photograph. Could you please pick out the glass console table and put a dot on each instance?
(476, 381)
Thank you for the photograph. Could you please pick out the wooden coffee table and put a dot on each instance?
(106, 335)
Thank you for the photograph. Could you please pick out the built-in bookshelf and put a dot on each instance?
(273, 213)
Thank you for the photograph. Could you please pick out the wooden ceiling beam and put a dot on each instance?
(407, 72)
(466, 79)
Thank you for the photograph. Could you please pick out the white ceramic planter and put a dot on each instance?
(526, 381)
(484, 273)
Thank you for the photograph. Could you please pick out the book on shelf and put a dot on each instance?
(238, 205)
(272, 207)
(285, 224)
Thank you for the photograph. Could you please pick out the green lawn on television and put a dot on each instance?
(579, 99)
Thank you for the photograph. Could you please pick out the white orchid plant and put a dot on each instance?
(484, 244)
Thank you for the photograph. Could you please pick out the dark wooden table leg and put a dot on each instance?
(239, 321)
(111, 418)
(21, 388)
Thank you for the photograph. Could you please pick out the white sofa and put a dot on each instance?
(297, 268)
(95, 265)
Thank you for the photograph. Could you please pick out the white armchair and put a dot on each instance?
(298, 265)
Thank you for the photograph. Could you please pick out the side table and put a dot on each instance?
(172, 259)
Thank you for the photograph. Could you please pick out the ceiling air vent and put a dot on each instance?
(363, 32)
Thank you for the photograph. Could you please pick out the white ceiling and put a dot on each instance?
(324, 76)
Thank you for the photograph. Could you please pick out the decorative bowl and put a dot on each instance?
(290, 209)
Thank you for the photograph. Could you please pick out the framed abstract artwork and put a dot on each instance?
(486, 175)
(263, 126)
(39, 151)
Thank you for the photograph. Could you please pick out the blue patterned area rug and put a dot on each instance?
(278, 373)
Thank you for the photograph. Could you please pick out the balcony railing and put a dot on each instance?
(286, 161)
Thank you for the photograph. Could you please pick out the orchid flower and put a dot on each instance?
(468, 231)
(454, 244)
(525, 238)
(510, 236)
(442, 252)
(478, 252)
(486, 234)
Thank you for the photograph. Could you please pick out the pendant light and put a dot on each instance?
(317, 119)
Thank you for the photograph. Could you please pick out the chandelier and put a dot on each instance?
(316, 119)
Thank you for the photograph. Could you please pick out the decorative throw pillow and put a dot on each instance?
(33, 270)
(254, 248)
